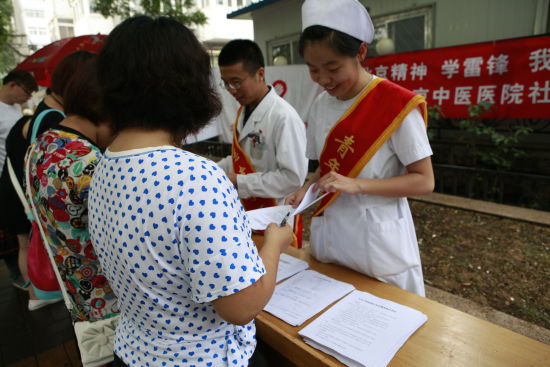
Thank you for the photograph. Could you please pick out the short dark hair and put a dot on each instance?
(340, 42)
(245, 51)
(21, 77)
(82, 96)
(66, 68)
(155, 74)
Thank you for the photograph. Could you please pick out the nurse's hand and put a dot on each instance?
(332, 182)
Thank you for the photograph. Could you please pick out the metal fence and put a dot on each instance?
(512, 188)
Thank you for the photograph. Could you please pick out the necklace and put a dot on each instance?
(56, 100)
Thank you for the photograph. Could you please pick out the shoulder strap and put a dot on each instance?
(34, 212)
(18, 188)
(38, 121)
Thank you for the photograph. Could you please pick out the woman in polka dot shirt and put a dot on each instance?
(167, 225)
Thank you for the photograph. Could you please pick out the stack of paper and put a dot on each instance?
(304, 295)
(288, 266)
(363, 330)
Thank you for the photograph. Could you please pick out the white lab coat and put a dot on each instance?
(373, 235)
(279, 157)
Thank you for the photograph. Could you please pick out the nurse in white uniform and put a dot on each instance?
(370, 138)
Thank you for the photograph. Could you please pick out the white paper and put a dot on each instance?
(289, 266)
(309, 199)
(261, 218)
(304, 295)
(363, 330)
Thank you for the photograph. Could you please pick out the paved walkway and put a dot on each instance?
(489, 314)
(487, 207)
(42, 338)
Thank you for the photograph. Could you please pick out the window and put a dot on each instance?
(66, 28)
(239, 3)
(37, 31)
(409, 30)
(34, 13)
(220, 2)
(66, 31)
(284, 51)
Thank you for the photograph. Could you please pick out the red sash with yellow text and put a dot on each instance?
(364, 128)
(243, 166)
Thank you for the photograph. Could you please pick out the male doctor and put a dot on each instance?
(268, 160)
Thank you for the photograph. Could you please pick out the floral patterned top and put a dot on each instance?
(61, 168)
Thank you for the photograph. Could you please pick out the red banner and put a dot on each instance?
(514, 75)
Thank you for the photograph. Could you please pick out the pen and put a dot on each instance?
(283, 222)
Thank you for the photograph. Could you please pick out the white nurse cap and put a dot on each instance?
(348, 16)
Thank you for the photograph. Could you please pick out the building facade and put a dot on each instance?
(409, 24)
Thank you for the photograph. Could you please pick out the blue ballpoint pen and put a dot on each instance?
(283, 222)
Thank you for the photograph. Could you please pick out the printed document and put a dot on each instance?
(363, 330)
(289, 266)
(304, 295)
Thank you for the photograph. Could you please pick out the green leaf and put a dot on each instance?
(184, 11)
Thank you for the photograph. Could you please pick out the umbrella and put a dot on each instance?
(42, 62)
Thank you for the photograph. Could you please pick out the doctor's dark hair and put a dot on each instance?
(243, 50)
(154, 74)
(340, 42)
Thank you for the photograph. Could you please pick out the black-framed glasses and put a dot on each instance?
(232, 85)
(27, 92)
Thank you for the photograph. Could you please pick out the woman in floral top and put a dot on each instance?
(62, 162)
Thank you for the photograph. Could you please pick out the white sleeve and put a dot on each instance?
(410, 142)
(290, 139)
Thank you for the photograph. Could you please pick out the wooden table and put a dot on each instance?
(449, 337)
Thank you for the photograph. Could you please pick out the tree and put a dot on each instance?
(182, 10)
(7, 51)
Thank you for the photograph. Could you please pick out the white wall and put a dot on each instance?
(87, 22)
(218, 27)
(32, 24)
(469, 21)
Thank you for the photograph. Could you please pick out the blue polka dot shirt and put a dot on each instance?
(172, 236)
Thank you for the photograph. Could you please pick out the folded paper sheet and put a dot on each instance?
(261, 218)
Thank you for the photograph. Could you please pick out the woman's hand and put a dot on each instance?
(280, 237)
(332, 182)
